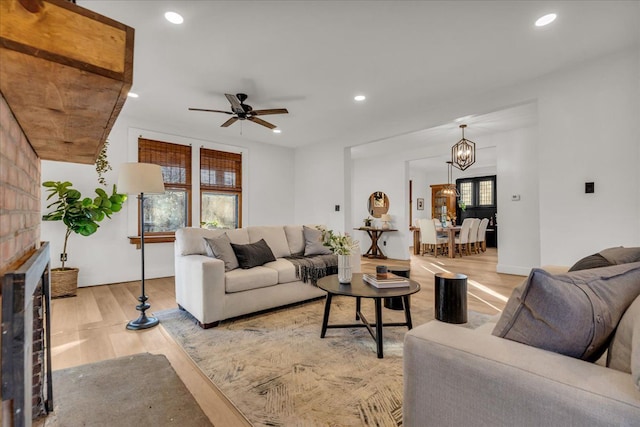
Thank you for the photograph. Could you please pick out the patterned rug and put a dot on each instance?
(278, 371)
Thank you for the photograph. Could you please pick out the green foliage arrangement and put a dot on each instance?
(339, 244)
(102, 164)
(80, 215)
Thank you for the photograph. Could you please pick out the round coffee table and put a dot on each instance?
(358, 288)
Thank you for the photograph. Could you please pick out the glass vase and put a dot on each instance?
(344, 269)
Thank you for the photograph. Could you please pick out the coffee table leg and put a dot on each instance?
(407, 312)
(357, 308)
(325, 319)
(379, 326)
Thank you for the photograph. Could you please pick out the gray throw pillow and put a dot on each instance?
(591, 261)
(313, 244)
(253, 254)
(220, 247)
(574, 313)
(621, 255)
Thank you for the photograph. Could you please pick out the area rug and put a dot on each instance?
(137, 390)
(278, 371)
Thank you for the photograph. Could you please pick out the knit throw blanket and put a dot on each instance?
(311, 268)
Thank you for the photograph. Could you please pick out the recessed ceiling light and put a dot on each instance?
(132, 95)
(277, 131)
(174, 18)
(359, 98)
(546, 20)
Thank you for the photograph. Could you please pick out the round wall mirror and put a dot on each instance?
(378, 204)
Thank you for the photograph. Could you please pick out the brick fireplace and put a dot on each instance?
(19, 241)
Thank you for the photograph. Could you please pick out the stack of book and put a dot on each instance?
(388, 280)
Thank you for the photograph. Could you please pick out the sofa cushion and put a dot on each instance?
(573, 313)
(240, 280)
(621, 348)
(591, 261)
(220, 247)
(253, 254)
(189, 240)
(238, 236)
(313, 244)
(275, 238)
(286, 270)
(295, 239)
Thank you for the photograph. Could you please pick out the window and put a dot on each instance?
(165, 213)
(220, 188)
(466, 193)
(477, 192)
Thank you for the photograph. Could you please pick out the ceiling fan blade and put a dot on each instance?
(235, 103)
(229, 122)
(262, 122)
(211, 111)
(269, 111)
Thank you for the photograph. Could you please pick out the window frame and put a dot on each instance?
(210, 153)
(475, 190)
(166, 147)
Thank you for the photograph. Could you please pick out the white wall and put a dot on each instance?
(107, 256)
(588, 130)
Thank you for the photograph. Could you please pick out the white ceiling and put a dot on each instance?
(312, 57)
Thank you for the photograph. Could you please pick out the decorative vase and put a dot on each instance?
(344, 269)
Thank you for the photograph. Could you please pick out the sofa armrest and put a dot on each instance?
(457, 376)
(200, 286)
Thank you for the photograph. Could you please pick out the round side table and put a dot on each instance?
(395, 303)
(451, 297)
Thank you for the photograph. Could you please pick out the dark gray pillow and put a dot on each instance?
(220, 247)
(313, 244)
(621, 255)
(591, 261)
(574, 313)
(253, 254)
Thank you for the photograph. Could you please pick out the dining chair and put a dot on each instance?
(463, 237)
(472, 244)
(482, 234)
(429, 239)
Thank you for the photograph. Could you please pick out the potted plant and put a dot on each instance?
(341, 245)
(81, 216)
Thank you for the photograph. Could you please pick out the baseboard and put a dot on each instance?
(513, 269)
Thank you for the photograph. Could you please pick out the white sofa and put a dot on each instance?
(210, 294)
(455, 376)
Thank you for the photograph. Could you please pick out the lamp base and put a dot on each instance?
(142, 322)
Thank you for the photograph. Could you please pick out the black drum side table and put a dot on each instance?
(395, 303)
(451, 297)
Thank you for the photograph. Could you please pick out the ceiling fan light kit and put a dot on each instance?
(242, 111)
(463, 152)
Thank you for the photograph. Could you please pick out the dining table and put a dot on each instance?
(451, 233)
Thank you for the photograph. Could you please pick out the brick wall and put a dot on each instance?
(19, 192)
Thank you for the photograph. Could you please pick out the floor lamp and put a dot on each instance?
(141, 178)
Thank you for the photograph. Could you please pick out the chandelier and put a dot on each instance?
(463, 152)
(449, 189)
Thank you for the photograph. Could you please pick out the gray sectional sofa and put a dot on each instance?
(211, 293)
(516, 372)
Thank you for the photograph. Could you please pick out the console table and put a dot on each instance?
(374, 250)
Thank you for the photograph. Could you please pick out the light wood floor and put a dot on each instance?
(91, 326)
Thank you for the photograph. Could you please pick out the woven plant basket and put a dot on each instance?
(64, 283)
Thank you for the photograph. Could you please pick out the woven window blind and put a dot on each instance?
(175, 160)
(220, 170)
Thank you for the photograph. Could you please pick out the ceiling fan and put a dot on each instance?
(242, 111)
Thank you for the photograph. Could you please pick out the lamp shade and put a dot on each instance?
(385, 217)
(136, 178)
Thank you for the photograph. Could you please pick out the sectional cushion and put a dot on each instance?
(240, 280)
(313, 244)
(253, 254)
(622, 345)
(189, 240)
(239, 236)
(274, 236)
(574, 313)
(220, 247)
(286, 270)
(295, 239)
